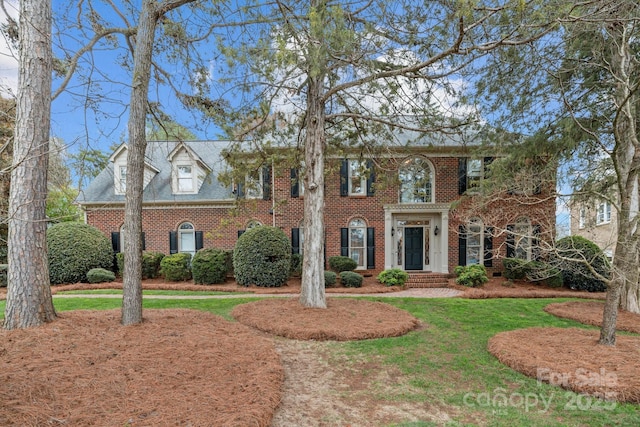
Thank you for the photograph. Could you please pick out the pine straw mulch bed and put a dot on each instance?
(572, 359)
(591, 312)
(179, 367)
(342, 320)
(499, 287)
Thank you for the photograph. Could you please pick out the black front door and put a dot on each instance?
(413, 248)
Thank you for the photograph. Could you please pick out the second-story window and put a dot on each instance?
(416, 184)
(475, 173)
(122, 182)
(357, 178)
(582, 219)
(254, 185)
(185, 179)
(604, 213)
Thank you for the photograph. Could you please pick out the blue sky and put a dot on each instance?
(106, 125)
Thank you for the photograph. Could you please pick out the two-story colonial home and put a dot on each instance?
(408, 208)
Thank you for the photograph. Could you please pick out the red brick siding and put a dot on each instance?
(221, 225)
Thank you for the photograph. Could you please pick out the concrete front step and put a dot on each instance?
(427, 280)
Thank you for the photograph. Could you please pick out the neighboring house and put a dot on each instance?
(596, 221)
(392, 212)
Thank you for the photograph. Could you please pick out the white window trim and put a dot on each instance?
(254, 188)
(520, 234)
(582, 218)
(428, 167)
(192, 232)
(473, 184)
(603, 213)
(194, 186)
(480, 233)
(361, 165)
(120, 184)
(364, 242)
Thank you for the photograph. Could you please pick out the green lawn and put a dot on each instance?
(446, 364)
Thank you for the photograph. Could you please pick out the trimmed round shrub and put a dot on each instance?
(100, 275)
(74, 249)
(151, 264)
(574, 256)
(472, 276)
(393, 277)
(262, 257)
(210, 266)
(175, 267)
(349, 279)
(330, 278)
(342, 263)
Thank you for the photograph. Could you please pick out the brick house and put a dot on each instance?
(595, 220)
(408, 209)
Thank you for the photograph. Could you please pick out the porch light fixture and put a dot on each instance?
(436, 231)
(393, 231)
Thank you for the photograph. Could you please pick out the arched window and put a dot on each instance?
(357, 242)
(416, 181)
(186, 238)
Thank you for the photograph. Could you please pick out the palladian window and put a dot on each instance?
(416, 181)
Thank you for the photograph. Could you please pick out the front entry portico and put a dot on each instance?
(416, 237)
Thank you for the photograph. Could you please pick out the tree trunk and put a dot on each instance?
(29, 294)
(132, 280)
(312, 290)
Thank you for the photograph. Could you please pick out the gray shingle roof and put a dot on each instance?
(102, 189)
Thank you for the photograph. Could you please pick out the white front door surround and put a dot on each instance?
(417, 237)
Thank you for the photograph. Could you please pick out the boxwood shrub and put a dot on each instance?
(100, 275)
(176, 267)
(342, 263)
(74, 249)
(210, 266)
(330, 279)
(150, 264)
(262, 256)
(350, 279)
(537, 272)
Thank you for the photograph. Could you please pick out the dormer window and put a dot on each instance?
(122, 179)
(185, 179)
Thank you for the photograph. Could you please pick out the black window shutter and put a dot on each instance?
(199, 240)
(173, 242)
(241, 232)
(371, 179)
(535, 244)
(115, 241)
(266, 183)
(344, 241)
(511, 241)
(371, 248)
(462, 246)
(144, 245)
(488, 247)
(462, 175)
(344, 178)
(295, 240)
(295, 185)
(240, 190)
